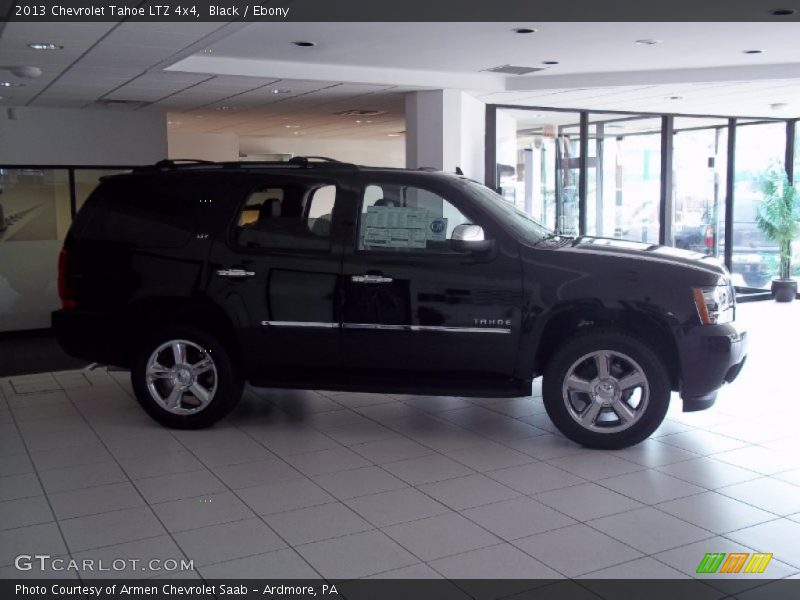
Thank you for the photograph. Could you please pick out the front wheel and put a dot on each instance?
(606, 389)
(184, 378)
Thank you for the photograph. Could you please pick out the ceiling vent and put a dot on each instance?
(355, 112)
(514, 70)
(122, 104)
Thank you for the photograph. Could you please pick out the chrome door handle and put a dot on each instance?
(235, 273)
(370, 279)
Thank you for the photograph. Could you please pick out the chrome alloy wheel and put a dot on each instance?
(181, 377)
(606, 391)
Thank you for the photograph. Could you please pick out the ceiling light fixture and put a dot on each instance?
(224, 108)
(523, 30)
(782, 12)
(292, 126)
(304, 44)
(45, 46)
(10, 84)
(648, 42)
(752, 51)
(281, 91)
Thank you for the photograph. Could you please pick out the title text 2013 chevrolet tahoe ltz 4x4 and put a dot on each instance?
(324, 275)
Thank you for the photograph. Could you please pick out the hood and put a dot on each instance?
(648, 252)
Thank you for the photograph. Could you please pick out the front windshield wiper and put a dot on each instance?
(549, 237)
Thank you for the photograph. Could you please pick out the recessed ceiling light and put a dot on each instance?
(648, 42)
(10, 84)
(752, 51)
(224, 108)
(45, 46)
(549, 62)
(281, 91)
(292, 126)
(782, 12)
(206, 51)
(524, 30)
(304, 44)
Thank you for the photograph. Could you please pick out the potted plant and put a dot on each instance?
(778, 217)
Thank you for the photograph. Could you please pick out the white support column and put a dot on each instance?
(446, 129)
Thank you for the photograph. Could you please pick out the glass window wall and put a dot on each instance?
(538, 168)
(34, 218)
(35, 215)
(624, 171)
(760, 147)
(538, 154)
(699, 178)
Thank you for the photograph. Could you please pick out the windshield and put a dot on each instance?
(500, 208)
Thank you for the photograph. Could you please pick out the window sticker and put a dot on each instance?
(402, 227)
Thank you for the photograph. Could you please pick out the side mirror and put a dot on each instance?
(470, 238)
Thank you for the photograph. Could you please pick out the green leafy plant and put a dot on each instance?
(778, 215)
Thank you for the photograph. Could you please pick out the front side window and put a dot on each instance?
(406, 219)
(292, 216)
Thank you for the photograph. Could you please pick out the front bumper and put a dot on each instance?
(710, 356)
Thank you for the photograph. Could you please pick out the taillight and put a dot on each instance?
(66, 278)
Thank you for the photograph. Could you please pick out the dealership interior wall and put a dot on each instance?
(648, 132)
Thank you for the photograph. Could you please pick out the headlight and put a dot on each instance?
(715, 304)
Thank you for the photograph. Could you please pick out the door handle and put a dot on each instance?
(370, 279)
(235, 273)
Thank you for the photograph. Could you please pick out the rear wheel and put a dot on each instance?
(184, 378)
(606, 389)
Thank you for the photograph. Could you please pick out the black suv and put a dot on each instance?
(324, 275)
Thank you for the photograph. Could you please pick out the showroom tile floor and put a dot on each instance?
(343, 485)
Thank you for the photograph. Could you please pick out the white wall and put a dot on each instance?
(446, 129)
(377, 153)
(473, 137)
(204, 146)
(506, 139)
(65, 136)
(216, 146)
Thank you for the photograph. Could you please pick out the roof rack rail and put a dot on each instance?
(297, 162)
(304, 160)
(169, 163)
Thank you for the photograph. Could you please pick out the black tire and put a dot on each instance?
(228, 383)
(626, 355)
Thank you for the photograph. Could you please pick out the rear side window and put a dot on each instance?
(290, 216)
(149, 212)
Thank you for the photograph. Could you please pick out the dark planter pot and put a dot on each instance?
(784, 290)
